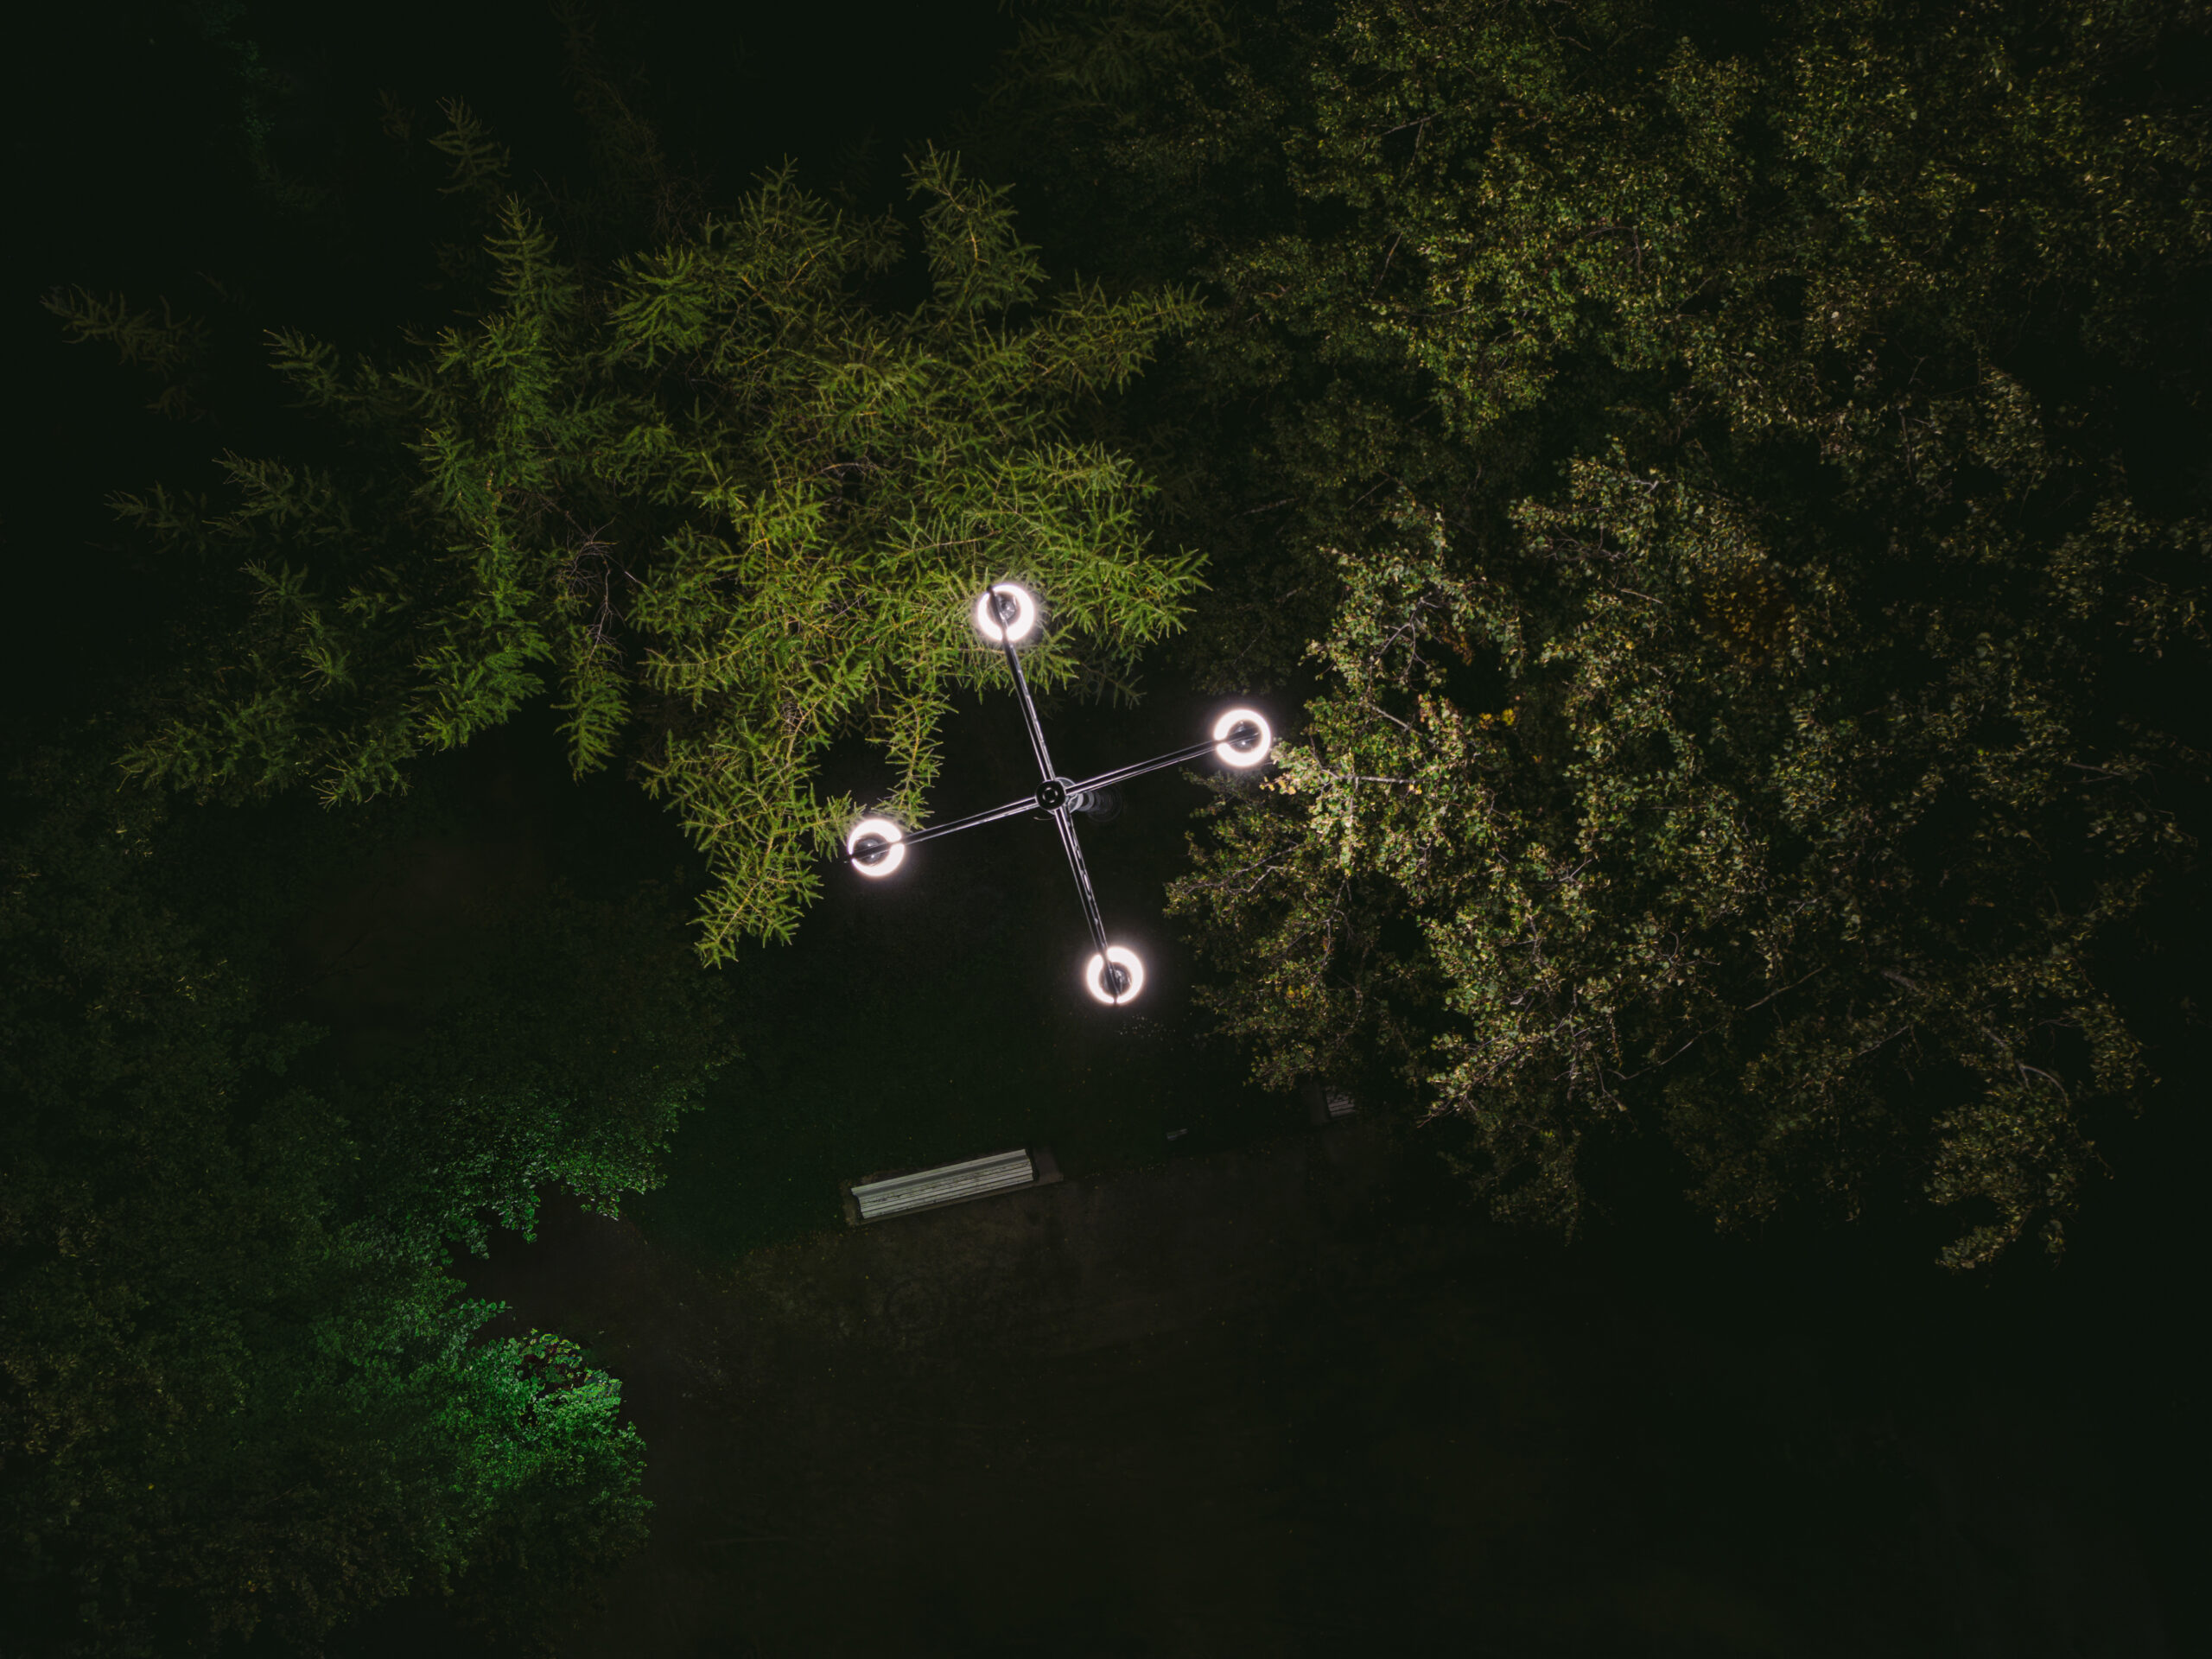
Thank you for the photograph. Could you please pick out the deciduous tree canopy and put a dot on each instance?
(1750, 464)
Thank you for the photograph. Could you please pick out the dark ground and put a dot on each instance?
(1291, 1399)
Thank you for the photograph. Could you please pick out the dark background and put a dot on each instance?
(940, 1019)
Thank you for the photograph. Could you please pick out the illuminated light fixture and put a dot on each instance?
(1011, 632)
(1131, 976)
(1005, 615)
(1247, 748)
(875, 847)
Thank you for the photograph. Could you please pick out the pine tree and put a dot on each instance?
(716, 505)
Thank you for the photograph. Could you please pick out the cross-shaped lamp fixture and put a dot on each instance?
(1006, 616)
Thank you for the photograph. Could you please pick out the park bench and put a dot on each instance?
(878, 1197)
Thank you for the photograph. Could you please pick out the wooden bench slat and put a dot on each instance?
(924, 1188)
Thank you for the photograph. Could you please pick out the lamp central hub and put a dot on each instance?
(1052, 794)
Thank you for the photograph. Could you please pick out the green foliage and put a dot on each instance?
(718, 505)
(1754, 457)
(169, 348)
(1093, 54)
(238, 1386)
(562, 1044)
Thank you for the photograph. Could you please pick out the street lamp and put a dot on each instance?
(1005, 615)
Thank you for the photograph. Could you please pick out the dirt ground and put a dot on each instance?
(1291, 1399)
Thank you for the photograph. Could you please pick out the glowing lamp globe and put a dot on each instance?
(1023, 622)
(1095, 974)
(876, 847)
(1258, 742)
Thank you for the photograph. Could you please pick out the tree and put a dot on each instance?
(719, 505)
(726, 504)
(1754, 452)
(240, 1385)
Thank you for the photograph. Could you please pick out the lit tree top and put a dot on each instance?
(719, 505)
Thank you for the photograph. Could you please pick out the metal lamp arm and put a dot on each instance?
(1011, 809)
(1065, 825)
(1029, 803)
(1061, 819)
(1120, 774)
(1028, 712)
